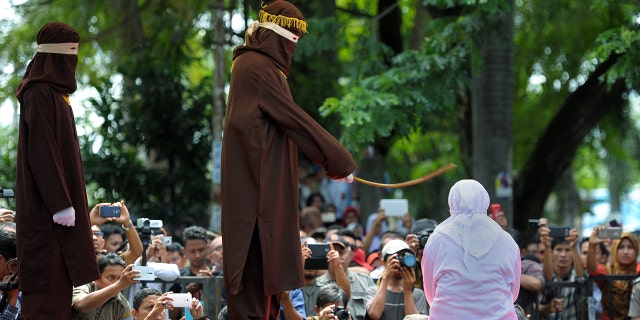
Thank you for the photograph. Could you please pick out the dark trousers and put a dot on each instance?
(251, 302)
(52, 304)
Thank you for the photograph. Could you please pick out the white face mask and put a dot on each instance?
(61, 48)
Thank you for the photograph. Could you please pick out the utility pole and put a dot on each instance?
(217, 117)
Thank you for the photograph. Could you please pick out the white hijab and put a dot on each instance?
(469, 226)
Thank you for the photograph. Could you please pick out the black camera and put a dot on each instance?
(407, 259)
(341, 313)
(423, 237)
(534, 223)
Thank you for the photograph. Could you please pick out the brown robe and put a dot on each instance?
(50, 175)
(263, 129)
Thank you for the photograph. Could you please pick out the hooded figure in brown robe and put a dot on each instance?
(263, 130)
(54, 240)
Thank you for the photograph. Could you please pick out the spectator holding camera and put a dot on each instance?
(358, 282)
(311, 287)
(8, 268)
(150, 304)
(623, 261)
(470, 266)
(134, 249)
(331, 304)
(195, 250)
(395, 297)
(101, 299)
(562, 263)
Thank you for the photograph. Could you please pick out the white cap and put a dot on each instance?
(394, 246)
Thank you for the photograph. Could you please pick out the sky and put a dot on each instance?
(6, 108)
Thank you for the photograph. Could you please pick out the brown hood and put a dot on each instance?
(278, 49)
(59, 70)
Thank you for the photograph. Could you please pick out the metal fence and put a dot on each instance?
(583, 300)
(211, 291)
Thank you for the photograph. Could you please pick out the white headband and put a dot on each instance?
(280, 30)
(62, 48)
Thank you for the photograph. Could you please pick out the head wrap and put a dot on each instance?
(469, 227)
(620, 288)
(275, 34)
(56, 59)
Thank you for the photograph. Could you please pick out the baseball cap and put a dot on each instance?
(336, 239)
(372, 257)
(423, 224)
(358, 257)
(394, 246)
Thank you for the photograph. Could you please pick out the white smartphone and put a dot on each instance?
(394, 207)
(146, 273)
(181, 300)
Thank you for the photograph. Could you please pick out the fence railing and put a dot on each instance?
(211, 291)
(584, 291)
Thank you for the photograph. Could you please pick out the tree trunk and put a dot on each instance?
(492, 105)
(556, 148)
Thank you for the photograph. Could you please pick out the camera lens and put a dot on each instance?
(407, 260)
(341, 313)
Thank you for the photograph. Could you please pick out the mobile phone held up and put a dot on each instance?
(109, 211)
(559, 232)
(610, 233)
(318, 259)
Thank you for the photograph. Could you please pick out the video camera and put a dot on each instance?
(148, 228)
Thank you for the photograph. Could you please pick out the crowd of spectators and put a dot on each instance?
(370, 273)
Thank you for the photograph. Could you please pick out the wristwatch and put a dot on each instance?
(127, 228)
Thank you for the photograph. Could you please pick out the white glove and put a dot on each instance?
(348, 179)
(65, 217)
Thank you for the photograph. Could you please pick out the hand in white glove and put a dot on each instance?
(65, 217)
(348, 179)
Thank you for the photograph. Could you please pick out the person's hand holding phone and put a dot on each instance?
(125, 217)
(94, 214)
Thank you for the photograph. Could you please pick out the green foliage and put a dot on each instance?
(415, 156)
(419, 90)
(8, 157)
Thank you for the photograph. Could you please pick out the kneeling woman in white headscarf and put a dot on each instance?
(470, 265)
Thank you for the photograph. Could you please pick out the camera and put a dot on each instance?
(610, 233)
(534, 223)
(407, 259)
(109, 211)
(341, 313)
(559, 232)
(147, 229)
(142, 223)
(167, 241)
(423, 237)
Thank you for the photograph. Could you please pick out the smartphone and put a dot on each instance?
(181, 300)
(318, 259)
(495, 209)
(109, 211)
(395, 207)
(559, 232)
(146, 273)
(610, 233)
